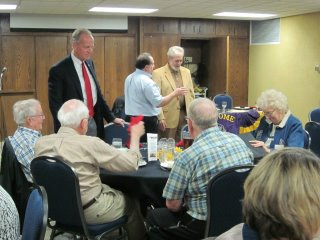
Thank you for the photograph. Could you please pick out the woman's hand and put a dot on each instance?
(256, 144)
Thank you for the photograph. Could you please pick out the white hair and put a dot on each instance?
(203, 112)
(23, 109)
(273, 99)
(175, 51)
(72, 112)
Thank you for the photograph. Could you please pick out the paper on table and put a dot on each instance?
(152, 139)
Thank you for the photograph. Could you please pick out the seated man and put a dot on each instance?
(185, 191)
(87, 154)
(29, 117)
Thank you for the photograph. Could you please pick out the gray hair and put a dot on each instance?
(78, 32)
(72, 112)
(203, 112)
(23, 109)
(273, 99)
(174, 51)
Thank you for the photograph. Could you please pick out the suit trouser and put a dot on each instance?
(110, 205)
(175, 132)
(150, 125)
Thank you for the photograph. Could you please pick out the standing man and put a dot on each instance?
(143, 97)
(170, 77)
(74, 78)
(185, 191)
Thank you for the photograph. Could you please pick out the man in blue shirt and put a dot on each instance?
(142, 95)
(185, 191)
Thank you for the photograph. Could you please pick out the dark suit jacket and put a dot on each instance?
(13, 180)
(64, 84)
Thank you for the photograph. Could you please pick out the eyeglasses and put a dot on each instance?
(39, 115)
(269, 113)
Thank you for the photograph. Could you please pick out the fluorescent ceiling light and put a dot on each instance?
(244, 15)
(7, 7)
(122, 10)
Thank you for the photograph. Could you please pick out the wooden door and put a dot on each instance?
(238, 68)
(120, 56)
(217, 66)
(158, 47)
(49, 50)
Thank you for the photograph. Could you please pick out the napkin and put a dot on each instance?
(133, 121)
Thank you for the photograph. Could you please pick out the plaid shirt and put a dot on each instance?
(211, 152)
(23, 142)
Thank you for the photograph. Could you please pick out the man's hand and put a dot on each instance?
(181, 91)
(119, 121)
(174, 205)
(162, 125)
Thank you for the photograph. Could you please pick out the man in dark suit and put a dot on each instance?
(74, 78)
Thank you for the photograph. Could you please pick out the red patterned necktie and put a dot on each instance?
(88, 89)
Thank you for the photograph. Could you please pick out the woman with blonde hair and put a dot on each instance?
(282, 198)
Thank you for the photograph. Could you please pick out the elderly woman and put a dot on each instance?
(281, 198)
(280, 128)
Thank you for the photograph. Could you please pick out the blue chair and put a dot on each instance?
(224, 195)
(218, 99)
(118, 107)
(313, 128)
(314, 115)
(112, 130)
(35, 221)
(65, 207)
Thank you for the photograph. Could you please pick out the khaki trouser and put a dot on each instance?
(174, 132)
(111, 205)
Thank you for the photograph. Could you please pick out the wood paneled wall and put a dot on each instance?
(28, 57)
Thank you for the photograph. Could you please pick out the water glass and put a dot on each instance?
(162, 146)
(117, 142)
(171, 143)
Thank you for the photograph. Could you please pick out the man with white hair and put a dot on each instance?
(185, 191)
(29, 117)
(170, 77)
(101, 203)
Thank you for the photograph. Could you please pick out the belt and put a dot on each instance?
(92, 201)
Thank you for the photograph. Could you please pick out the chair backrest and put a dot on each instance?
(35, 222)
(13, 179)
(62, 185)
(219, 98)
(307, 140)
(313, 128)
(224, 195)
(118, 107)
(184, 129)
(112, 130)
(314, 115)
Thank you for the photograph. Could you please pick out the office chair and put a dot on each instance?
(118, 107)
(224, 195)
(35, 222)
(112, 130)
(314, 115)
(313, 128)
(219, 98)
(307, 140)
(65, 207)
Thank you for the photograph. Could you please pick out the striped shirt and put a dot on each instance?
(211, 152)
(23, 142)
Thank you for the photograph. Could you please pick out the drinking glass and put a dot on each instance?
(117, 142)
(224, 106)
(171, 143)
(162, 145)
